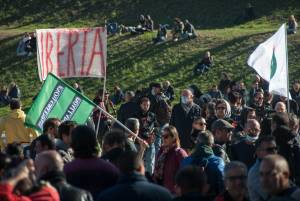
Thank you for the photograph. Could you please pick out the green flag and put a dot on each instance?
(57, 99)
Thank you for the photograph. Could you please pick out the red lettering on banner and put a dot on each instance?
(49, 42)
(97, 38)
(83, 52)
(103, 67)
(42, 62)
(71, 44)
(59, 54)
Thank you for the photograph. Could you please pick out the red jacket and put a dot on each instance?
(46, 193)
(172, 165)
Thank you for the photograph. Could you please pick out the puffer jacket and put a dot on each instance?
(66, 191)
(15, 130)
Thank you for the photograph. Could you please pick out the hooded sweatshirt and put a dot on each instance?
(14, 128)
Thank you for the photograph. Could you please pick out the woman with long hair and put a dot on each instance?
(169, 158)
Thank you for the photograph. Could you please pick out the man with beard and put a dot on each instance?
(244, 151)
(148, 122)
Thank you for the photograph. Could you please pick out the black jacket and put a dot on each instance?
(135, 187)
(127, 110)
(183, 122)
(289, 148)
(66, 191)
(147, 122)
(113, 155)
(193, 196)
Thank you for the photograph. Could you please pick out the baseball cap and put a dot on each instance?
(221, 124)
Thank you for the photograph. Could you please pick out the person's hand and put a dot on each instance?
(143, 143)
(23, 170)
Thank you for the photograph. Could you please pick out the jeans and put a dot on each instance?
(149, 159)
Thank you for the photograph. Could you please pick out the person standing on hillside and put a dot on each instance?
(183, 116)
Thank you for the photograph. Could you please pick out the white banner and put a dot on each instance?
(72, 52)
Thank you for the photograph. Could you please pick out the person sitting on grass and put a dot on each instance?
(178, 29)
(292, 25)
(161, 34)
(204, 64)
(189, 30)
(149, 24)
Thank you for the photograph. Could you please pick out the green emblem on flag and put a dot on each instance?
(57, 99)
(273, 64)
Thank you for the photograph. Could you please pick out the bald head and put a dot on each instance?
(277, 162)
(252, 123)
(274, 174)
(253, 127)
(280, 107)
(187, 92)
(48, 161)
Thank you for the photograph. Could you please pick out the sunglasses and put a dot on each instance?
(239, 177)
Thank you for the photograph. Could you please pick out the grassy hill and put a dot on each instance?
(134, 62)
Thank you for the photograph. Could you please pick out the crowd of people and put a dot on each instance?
(229, 143)
(180, 30)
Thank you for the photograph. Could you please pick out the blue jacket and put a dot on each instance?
(135, 187)
(213, 166)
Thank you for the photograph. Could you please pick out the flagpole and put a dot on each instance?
(103, 94)
(122, 125)
(287, 69)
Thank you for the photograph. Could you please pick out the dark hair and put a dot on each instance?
(14, 149)
(50, 123)
(129, 161)
(191, 179)
(220, 101)
(266, 138)
(14, 104)
(45, 140)
(281, 119)
(84, 142)
(196, 91)
(234, 96)
(65, 128)
(115, 137)
(144, 99)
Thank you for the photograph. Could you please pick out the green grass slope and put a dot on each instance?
(134, 62)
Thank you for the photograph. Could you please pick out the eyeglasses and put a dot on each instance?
(239, 177)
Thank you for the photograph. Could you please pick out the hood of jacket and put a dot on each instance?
(17, 114)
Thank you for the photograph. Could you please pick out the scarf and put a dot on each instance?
(187, 107)
(160, 163)
(202, 151)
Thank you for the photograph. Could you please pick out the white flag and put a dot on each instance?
(270, 61)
